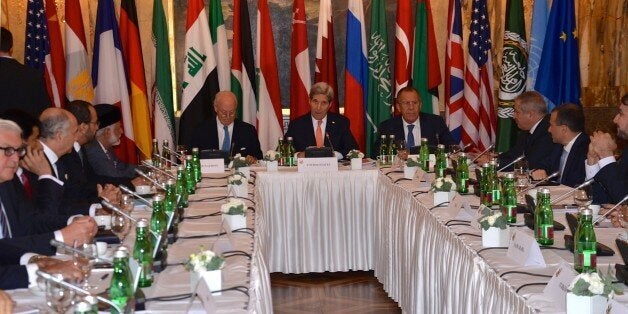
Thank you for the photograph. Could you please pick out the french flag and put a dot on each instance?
(356, 71)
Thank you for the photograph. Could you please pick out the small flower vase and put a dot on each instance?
(586, 305)
(495, 237)
(212, 277)
(356, 163)
(409, 172)
(238, 190)
(235, 221)
(442, 197)
(246, 171)
(272, 166)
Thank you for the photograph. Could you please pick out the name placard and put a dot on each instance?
(212, 166)
(558, 286)
(615, 307)
(323, 164)
(524, 250)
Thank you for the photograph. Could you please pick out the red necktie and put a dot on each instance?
(27, 185)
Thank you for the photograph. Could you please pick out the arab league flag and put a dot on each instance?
(514, 70)
(243, 64)
(379, 100)
(200, 77)
(163, 102)
(221, 49)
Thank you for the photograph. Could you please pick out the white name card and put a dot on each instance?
(524, 250)
(323, 164)
(558, 286)
(212, 166)
(615, 307)
(465, 211)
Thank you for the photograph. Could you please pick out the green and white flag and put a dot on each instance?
(379, 97)
(163, 100)
(514, 74)
(243, 64)
(219, 39)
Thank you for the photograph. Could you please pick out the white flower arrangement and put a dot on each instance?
(271, 155)
(204, 260)
(446, 184)
(591, 284)
(237, 178)
(354, 153)
(238, 161)
(413, 161)
(492, 218)
(234, 207)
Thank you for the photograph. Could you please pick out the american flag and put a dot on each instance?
(480, 124)
(37, 45)
(454, 67)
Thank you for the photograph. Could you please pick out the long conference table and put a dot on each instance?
(370, 219)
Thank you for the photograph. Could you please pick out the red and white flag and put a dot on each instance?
(404, 41)
(326, 51)
(300, 79)
(55, 59)
(78, 83)
(454, 70)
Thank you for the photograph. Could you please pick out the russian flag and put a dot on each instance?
(356, 71)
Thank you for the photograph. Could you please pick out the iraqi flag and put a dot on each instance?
(78, 83)
(300, 80)
(109, 77)
(356, 71)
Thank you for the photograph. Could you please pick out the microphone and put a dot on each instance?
(121, 212)
(612, 209)
(143, 200)
(484, 152)
(553, 175)
(512, 163)
(329, 140)
(562, 197)
(149, 165)
(66, 247)
(59, 280)
(165, 159)
(143, 174)
(465, 147)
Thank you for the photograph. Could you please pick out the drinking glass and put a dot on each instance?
(58, 298)
(582, 197)
(84, 263)
(402, 150)
(521, 178)
(120, 226)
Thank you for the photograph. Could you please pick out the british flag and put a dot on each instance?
(454, 67)
(480, 122)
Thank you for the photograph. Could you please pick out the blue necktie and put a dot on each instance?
(226, 142)
(410, 139)
(563, 160)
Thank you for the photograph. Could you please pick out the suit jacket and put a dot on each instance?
(22, 87)
(574, 172)
(611, 182)
(107, 164)
(539, 149)
(302, 132)
(432, 127)
(244, 138)
(12, 275)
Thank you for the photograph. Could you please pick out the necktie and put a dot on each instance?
(27, 185)
(4, 224)
(563, 160)
(319, 134)
(410, 138)
(226, 141)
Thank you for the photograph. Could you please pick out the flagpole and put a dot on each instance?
(173, 73)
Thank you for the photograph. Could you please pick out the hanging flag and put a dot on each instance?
(558, 77)
(243, 64)
(78, 83)
(379, 88)
(200, 76)
(219, 39)
(356, 71)
(540, 13)
(269, 119)
(161, 91)
(55, 59)
(300, 80)
(454, 67)
(325, 70)
(110, 82)
(426, 69)
(514, 69)
(4, 15)
(478, 127)
(404, 41)
(132, 49)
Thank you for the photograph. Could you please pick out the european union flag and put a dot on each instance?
(558, 77)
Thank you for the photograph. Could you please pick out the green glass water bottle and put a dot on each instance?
(424, 155)
(585, 253)
(155, 157)
(143, 252)
(189, 175)
(509, 198)
(383, 150)
(181, 186)
(165, 153)
(441, 161)
(120, 288)
(196, 165)
(392, 149)
(291, 161)
(462, 174)
(281, 150)
(485, 196)
(544, 218)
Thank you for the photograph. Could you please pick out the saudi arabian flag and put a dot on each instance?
(379, 97)
(219, 39)
(514, 70)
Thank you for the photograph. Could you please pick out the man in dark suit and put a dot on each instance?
(567, 128)
(534, 141)
(225, 132)
(611, 175)
(413, 124)
(20, 86)
(321, 128)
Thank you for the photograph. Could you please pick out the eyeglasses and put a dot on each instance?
(9, 151)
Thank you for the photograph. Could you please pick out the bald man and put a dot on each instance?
(225, 132)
